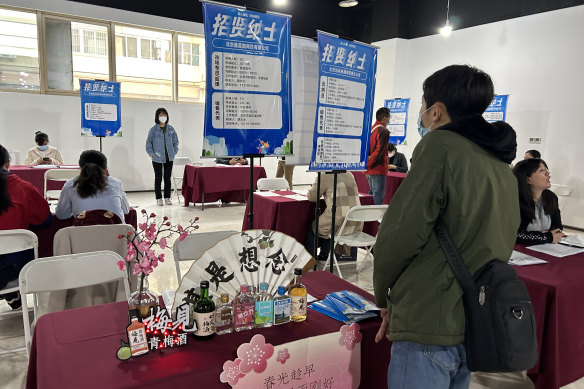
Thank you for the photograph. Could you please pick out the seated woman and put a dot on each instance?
(42, 153)
(21, 205)
(92, 189)
(540, 215)
(397, 161)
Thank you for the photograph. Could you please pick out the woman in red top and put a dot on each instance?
(21, 205)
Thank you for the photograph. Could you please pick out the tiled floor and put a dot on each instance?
(216, 216)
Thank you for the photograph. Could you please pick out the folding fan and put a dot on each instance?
(247, 258)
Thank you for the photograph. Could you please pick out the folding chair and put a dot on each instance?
(177, 179)
(563, 192)
(272, 184)
(194, 245)
(66, 272)
(360, 213)
(61, 174)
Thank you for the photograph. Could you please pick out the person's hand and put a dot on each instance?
(384, 327)
(40, 161)
(392, 167)
(557, 235)
(233, 161)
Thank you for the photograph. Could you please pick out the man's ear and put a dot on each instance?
(440, 114)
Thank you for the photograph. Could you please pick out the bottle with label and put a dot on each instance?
(264, 307)
(281, 307)
(224, 316)
(298, 297)
(204, 314)
(137, 335)
(243, 309)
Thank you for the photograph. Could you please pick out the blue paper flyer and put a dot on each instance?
(100, 108)
(398, 121)
(497, 110)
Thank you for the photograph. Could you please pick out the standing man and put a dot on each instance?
(377, 163)
(460, 172)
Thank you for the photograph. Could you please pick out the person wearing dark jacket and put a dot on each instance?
(541, 221)
(397, 161)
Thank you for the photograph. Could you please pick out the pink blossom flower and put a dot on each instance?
(130, 257)
(121, 265)
(161, 258)
(183, 236)
(283, 355)
(162, 243)
(255, 354)
(137, 269)
(231, 372)
(142, 226)
(180, 228)
(350, 336)
(143, 246)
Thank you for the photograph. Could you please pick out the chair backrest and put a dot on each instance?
(61, 174)
(181, 161)
(561, 190)
(194, 245)
(12, 241)
(273, 184)
(366, 213)
(14, 157)
(83, 239)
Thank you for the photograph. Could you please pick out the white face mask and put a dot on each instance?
(162, 119)
(391, 154)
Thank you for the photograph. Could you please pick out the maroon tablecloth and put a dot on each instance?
(77, 348)
(36, 176)
(392, 182)
(47, 233)
(556, 291)
(290, 216)
(208, 184)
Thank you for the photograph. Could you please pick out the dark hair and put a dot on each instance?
(391, 147)
(523, 170)
(158, 112)
(381, 113)
(92, 177)
(534, 153)
(5, 201)
(40, 138)
(463, 89)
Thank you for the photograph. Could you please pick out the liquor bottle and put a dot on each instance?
(243, 309)
(137, 335)
(224, 316)
(281, 307)
(264, 307)
(298, 297)
(204, 314)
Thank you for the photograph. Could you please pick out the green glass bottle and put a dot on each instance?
(204, 314)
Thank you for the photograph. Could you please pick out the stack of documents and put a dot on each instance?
(573, 240)
(346, 306)
(520, 259)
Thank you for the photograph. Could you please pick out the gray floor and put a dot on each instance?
(13, 365)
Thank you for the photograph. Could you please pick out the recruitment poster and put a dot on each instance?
(247, 107)
(100, 108)
(398, 121)
(497, 110)
(346, 86)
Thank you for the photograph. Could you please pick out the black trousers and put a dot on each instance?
(158, 169)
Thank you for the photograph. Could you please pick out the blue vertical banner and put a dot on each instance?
(398, 121)
(247, 104)
(346, 87)
(101, 113)
(497, 110)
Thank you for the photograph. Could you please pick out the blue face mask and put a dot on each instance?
(421, 129)
(43, 148)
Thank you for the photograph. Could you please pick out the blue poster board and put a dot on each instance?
(398, 121)
(497, 110)
(247, 105)
(101, 113)
(344, 106)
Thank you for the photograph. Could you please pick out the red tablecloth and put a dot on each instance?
(556, 291)
(290, 216)
(77, 348)
(47, 233)
(392, 182)
(208, 184)
(36, 176)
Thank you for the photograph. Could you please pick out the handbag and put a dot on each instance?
(500, 333)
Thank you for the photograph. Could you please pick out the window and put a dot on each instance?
(191, 68)
(19, 59)
(143, 63)
(188, 53)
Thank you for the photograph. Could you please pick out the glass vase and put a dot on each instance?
(142, 299)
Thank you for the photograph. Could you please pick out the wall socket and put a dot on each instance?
(536, 141)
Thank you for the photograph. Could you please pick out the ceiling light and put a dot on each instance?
(348, 3)
(280, 2)
(447, 29)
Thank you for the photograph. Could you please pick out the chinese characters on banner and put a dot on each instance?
(398, 121)
(247, 106)
(497, 110)
(100, 108)
(344, 106)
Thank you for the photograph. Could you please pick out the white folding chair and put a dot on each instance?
(194, 245)
(273, 184)
(359, 213)
(61, 174)
(178, 178)
(13, 241)
(563, 192)
(66, 272)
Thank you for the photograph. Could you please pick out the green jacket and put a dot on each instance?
(476, 194)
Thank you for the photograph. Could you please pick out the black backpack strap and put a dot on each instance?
(453, 257)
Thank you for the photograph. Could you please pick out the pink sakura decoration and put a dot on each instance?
(231, 372)
(350, 336)
(283, 355)
(255, 354)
